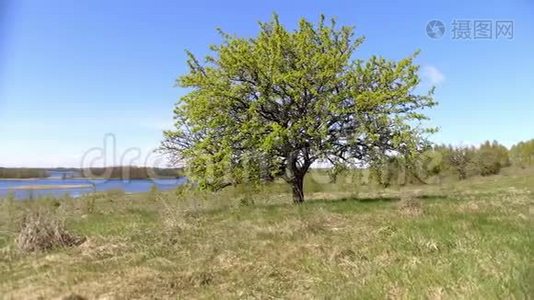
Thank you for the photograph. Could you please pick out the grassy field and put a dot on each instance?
(470, 239)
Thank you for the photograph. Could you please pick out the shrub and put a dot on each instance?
(41, 230)
(490, 158)
(487, 163)
(460, 159)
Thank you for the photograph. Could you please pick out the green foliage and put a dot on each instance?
(272, 105)
(522, 154)
(491, 157)
(465, 161)
(387, 171)
(441, 161)
(461, 160)
(432, 162)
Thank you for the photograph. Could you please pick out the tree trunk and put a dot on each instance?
(297, 185)
(462, 174)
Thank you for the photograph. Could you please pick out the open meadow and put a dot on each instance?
(266, 150)
(457, 239)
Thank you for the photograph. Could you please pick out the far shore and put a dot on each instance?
(83, 178)
(51, 187)
(24, 179)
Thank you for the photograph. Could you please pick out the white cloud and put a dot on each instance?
(433, 75)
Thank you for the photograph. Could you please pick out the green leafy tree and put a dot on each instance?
(386, 171)
(491, 158)
(272, 105)
(461, 160)
(401, 170)
(434, 161)
(522, 154)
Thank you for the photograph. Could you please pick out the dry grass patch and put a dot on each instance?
(41, 230)
(94, 248)
(410, 207)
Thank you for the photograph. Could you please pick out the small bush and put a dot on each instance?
(174, 218)
(41, 230)
(491, 158)
(411, 207)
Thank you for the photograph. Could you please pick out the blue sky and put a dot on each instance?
(73, 71)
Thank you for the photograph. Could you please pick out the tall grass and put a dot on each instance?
(470, 239)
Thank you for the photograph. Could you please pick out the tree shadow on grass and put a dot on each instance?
(339, 203)
(432, 197)
(370, 199)
(308, 203)
(363, 200)
(378, 199)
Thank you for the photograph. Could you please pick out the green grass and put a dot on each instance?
(472, 239)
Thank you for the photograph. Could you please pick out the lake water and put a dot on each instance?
(49, 187)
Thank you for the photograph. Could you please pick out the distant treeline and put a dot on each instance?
(436, 162)
(522, 154)
(458, 161)
(131, 172)
(20, 173)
